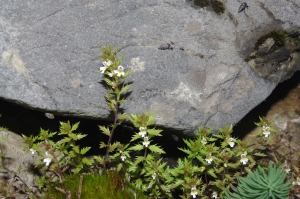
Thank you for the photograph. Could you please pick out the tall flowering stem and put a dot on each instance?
(114, 76)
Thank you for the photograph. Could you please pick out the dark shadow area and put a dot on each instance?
(25, 121)
(246, 124)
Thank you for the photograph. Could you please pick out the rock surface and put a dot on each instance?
(20, 164)
(49, 57)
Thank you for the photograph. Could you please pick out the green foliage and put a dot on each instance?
(261, 185)
(109, 185)
(278, 36)
(60, 156)
(217, 5)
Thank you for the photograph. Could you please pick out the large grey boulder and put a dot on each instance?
(49, 57)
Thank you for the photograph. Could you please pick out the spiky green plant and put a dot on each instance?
(259, 185)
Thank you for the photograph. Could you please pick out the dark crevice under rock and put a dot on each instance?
(25, 121)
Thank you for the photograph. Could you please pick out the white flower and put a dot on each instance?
(154, 176)
(142, 132)
(120, 71)
(225, 165)
(230, 142)
(123, 157)
(244, 158)
(214, 195)
(209, 159)
(48, 159)
(111, 74)
(203, 141)
(103, 69)
(194, 192)
(297, 182)
(106, 64)
(146, 142)
(287, 169)
(32, 151)
(266, 131)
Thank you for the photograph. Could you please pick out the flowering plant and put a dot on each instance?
(213, 164)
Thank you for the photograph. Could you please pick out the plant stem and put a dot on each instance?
(112, 131)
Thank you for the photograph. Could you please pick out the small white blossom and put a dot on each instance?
(48, 159)
(142, 132)
(154, 176)
(287, 169)
(123, 157)
(112, 73)
(106, 64)
(194, 192)
(230, 142)
(209, 159)
(32, 151)
(146, 142)
(266, 131)
(120, 71)
(203, 141)
(103, 69)
(225, 165)
(297, 182)
(244, 158)
(214, 195)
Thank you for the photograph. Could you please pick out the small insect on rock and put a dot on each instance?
(242, 7)
(165, 47)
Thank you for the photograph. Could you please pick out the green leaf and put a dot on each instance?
(135, 137)
(139, 159)
(65, 140)
(73, 136)
(80, 136)
(137, 147)
(212, 173)
(99, 159)
(156, 149)
(260, 154)
(125, 88)
(149, 157)
(123, 116)
(75, 126)
(84, 150)
(102, 145)
(76, 149)
(113, 146)
(87, 161)
(105, 130)
(154, 132)
(108, 81)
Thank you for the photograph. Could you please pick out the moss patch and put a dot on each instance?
(217, 5)
(96, 187)
(278, 36)
(201, 3)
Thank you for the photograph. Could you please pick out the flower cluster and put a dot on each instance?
(106, 64)
(266, 131)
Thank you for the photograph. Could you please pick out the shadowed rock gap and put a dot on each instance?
(25, 121)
